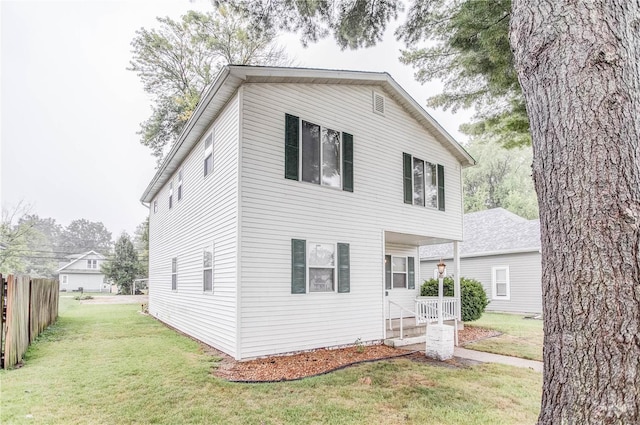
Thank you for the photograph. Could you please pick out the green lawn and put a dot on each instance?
(520, 337)
(108, 364)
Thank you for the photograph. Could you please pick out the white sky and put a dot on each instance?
(70, 110)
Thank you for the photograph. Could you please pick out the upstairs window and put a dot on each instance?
(207, 270)
(65, 279)
(155, 206)
(208, 155)
(317, 154)
(92, 264)
(180, 184)
(171, 194)
(423, 182)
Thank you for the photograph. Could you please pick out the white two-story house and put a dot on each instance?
(291, 210)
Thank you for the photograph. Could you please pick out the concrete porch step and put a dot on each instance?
(397, 342)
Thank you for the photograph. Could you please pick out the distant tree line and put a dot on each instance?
(37, 245)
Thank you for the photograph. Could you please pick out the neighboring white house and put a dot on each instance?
(501, 250)
(83, 271)
(291, 209)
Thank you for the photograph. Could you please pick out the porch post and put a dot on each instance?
(456, 279)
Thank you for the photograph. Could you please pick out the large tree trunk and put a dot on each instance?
(579, 66)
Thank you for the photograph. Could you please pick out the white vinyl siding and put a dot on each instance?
(275, 210)
(208, 214)
(525, 273)
(500, 282)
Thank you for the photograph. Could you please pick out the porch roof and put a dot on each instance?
(413, 239)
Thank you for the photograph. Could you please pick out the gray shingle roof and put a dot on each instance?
(493, 231)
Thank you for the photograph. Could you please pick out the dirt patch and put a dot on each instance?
(118, 299)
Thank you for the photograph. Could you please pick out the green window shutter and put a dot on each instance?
(298, 266)
(344, 268)
(291, 146)
(347, 162)
(411, 273)
(407, 170)
(440, 187)
(387, 272)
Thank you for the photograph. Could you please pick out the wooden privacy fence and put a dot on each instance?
(28, 307)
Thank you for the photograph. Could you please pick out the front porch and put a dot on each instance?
(409, 326)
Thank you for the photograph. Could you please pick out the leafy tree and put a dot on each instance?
(43, 246)
(178, 61)
(577, 64)
(123, 266)
(500, 178)
(141, 244)
(83, 235)
(463, 43)
(15, 238)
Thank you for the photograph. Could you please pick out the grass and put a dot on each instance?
(108, 364)
(520, 337)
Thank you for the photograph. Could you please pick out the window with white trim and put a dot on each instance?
(320, 155)
(207, 269)
(171, 194)
(65, 279)
(174, 273)
(208, 154)
(92, 264)
(155, 206)
(423, 182)
(399, 271)
(500, 285)
(321, 264)
(180, 184)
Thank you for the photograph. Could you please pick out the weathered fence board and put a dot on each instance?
(31, 306)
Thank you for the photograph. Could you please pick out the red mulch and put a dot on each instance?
(311, 363)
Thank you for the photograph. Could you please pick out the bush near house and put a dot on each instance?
(473, 298)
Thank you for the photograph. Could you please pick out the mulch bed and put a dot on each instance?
(317, 362)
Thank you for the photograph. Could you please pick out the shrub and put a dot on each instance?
(473, 299)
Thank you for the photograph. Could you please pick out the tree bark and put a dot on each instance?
(579, 66)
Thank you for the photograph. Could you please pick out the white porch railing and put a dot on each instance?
(427, 309)
(427, 312)
(402, 310)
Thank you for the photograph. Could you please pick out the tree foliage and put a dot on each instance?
(141, 244)
(500, 178)
(123, 266)
(179, 60)
(464, 43)
(83, 235)
(15, 238)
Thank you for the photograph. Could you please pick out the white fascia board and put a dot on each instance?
(487, 253)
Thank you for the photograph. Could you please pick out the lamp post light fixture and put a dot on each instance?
(442, 267)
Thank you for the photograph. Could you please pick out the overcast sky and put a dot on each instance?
(70, 110)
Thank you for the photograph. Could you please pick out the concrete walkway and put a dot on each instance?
(480, 356)
(483, 357)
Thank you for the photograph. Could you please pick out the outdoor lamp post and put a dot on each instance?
(442, 267)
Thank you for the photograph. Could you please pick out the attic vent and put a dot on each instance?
(378, 103)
